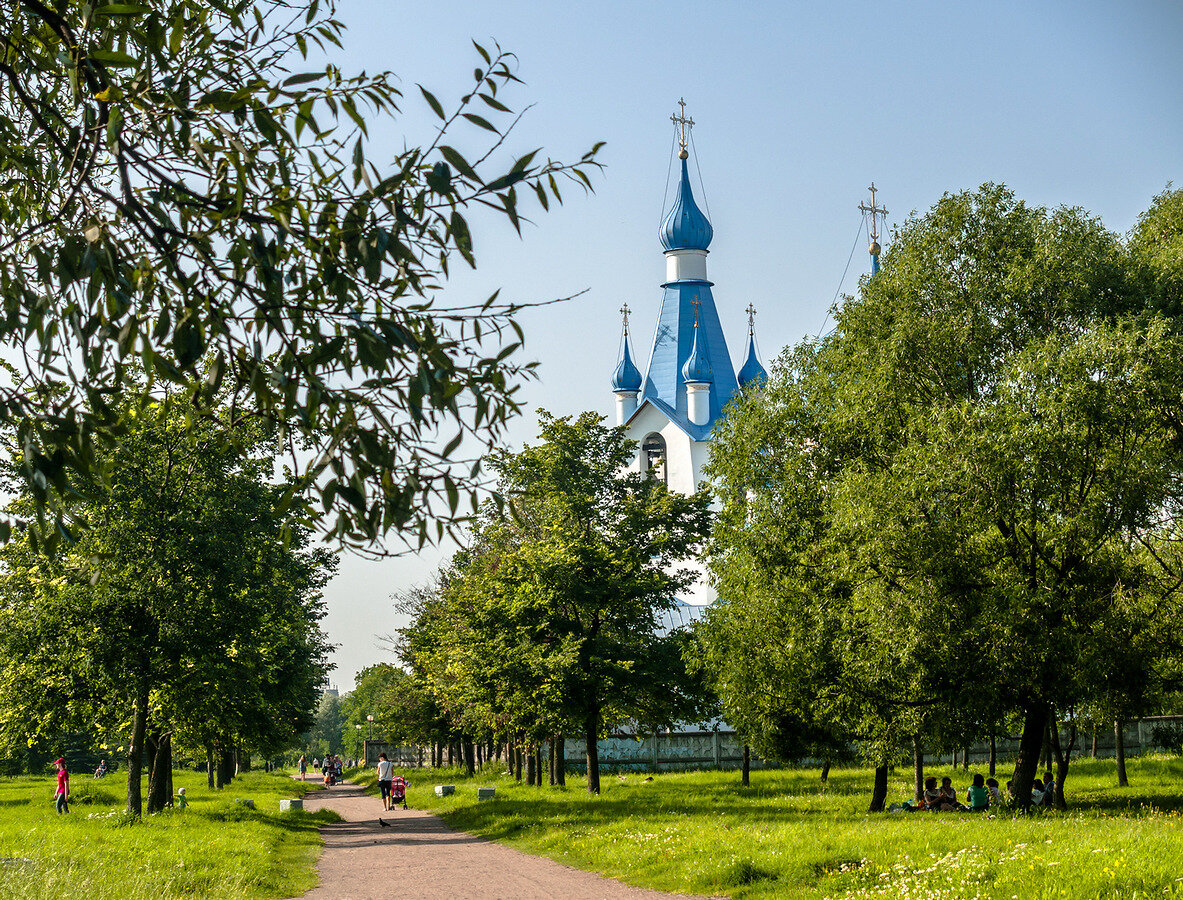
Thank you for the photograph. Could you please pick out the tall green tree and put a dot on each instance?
(552, 617)
(183, 183)
(189, 604)
(941, 499)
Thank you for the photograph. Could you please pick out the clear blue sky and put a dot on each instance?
(798, 107)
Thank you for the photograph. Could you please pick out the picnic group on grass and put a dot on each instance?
(982, 795)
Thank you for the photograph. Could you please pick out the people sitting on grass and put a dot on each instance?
(947, 797)
(1049, 789)
(931, 798)
(977, 798)
(995, 792)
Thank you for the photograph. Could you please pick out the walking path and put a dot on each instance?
(420, 856)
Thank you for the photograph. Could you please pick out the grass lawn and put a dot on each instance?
(215, 848)
(785, 837)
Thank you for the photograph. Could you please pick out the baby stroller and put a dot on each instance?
(398, 791)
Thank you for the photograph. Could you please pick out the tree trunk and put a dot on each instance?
(135, 755)
(210, 767)
(225, 764)
(825, 767)
(530, 773)
(451, 753)
(591, 735)
(1063, 760)
(1045, 759)
(879, 794)
(746, 775)
(1030, 747)
(538, 763)
(550, 761)
(242, 761)
(561, 760)
(918, 767)
(1119, 752)
(160, 778)
(1093, 751)
(993, 755)
(965, 758)
(469, 756)
(517, 762)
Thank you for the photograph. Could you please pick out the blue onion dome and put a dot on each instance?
(627, 376)
(685, 226)
(697, 369)
(751, 370)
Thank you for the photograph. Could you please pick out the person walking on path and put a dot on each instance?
(385, 773)
(303, 766)
(62, 797)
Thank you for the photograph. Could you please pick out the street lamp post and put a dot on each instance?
(369, 727)
(358, 744)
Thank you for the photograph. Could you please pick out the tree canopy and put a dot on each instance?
(550, 620)
(189, 606)
(942, 512)
(187, 192)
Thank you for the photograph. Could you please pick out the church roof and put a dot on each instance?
(697, 369)
(627, 376)
(673, 342)
(751, 370)
(685, 227)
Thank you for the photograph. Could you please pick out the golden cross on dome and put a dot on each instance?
(751, 311)
(683, 124)
(696, 303)
(624, 311)
(876, 212)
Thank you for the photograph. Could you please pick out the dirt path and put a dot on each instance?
(419, 856)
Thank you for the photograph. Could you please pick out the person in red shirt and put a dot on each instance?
(63, 795)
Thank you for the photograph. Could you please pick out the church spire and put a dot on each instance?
(626, 379)
(690, 376)
(685, 227)
(876, 212)
(751, 370)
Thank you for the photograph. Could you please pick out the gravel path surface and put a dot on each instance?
(419, 856)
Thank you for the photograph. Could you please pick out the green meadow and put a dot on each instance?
(214, 848)
(787, 836)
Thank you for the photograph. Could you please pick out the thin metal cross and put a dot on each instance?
(682, 122)
(751, 311)
(696, 303)
(876, 212)
(624, 311)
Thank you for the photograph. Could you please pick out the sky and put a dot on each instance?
(798, 107)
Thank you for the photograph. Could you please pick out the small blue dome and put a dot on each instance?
(751, 370)
(685, 227)
(697, 369)
(627, 377)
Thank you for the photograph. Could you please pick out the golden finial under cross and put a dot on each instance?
(876, 212)
(624, 311)
(696, 303)
(751, 311)
(683, 125)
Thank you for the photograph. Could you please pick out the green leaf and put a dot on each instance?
(482, 122)
(122, 9)
(113, 58)
(458, 162)
(432, 102)
(303, 78)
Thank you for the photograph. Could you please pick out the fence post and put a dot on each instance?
(718, 751)
(655, 769)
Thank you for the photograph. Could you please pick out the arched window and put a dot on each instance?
(653, 455)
